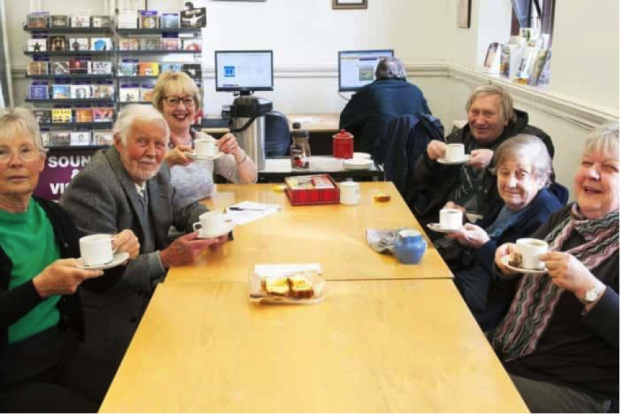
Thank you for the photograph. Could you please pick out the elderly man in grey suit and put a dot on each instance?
(128, 187)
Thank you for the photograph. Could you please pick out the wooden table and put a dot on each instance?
(333, 235)
(278, 168)
(369, 346)
(325, 122)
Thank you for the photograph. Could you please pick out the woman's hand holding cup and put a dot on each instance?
(62, 277)
(177, 156)
(505, 249)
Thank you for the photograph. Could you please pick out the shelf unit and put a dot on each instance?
(115, 80)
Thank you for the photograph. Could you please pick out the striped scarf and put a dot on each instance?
(536, 297)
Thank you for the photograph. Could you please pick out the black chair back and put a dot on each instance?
(277, 134)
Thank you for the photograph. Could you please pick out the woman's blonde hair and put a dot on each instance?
(603, 140)
(175, 83)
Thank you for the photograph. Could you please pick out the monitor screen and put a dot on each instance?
(243, 70)
(356, 68)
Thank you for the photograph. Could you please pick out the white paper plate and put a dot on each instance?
(463, 160)
(362, 155)
(439, 229)
(506, 259)
(228, 227)
(117, 259)
(356, 164)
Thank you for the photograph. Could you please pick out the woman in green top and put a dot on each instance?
(41, 367)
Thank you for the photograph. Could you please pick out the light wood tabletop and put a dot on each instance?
(332, 235)
(369, 346)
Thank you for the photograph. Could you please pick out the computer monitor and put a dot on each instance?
(356, 68)
(243, 70)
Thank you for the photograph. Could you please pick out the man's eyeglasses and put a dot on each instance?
(25, 153)
(174, 101)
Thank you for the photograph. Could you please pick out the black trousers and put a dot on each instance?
(49, 373)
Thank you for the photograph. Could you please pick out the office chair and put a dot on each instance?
(277, 134)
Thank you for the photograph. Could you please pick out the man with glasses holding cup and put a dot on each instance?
(177, 97)
(128, 186)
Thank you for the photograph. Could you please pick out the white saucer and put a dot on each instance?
(193, 156)
(506, 259)
(227, 229)
(361, 156)
(437, 227)
(357, 164)
(454, 162)
(117, 259)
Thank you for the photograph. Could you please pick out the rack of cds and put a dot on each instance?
(72, 88)
(150, 43)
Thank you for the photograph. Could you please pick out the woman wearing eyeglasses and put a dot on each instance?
(177, 97)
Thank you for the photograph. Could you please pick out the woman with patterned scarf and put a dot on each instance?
(559, 339)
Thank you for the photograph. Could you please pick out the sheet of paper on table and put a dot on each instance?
(248, 211)
(279, 270)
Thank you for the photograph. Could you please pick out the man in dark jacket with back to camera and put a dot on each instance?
(470, 186)
(377, 103)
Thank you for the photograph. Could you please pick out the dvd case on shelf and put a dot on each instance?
(103, 114)
(38, 91)
(148, 68)
(80, 138)
(38, 20)
(169, 42)
(80, 20)
(171, 67)
(129, 43)
(100, 43)
(146, 91)
(59, 20)
(61, 115)
(194, 70)
(170, 20)
(100, 68)
(45, 138)
(129, 92)
(60, 68)
(37, 45)
(61, 91)
(78, 66)
(194, 18)
(57, 43)
(128, 67)
(150, 43)
(148, 19)
(43, 116)
(83, 115)
(38, 68)
(78, 44)
(59, 138)
(104, 137)
(103, 91)
(81, 92)
(101, 21)
(191, 44)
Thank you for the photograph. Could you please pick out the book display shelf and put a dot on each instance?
(84, 68)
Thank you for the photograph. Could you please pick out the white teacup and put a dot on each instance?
(455, 152)
(450, 218)
(530, 249)
(96, 249)
(349, 193)
(205, 147)
(211, 224)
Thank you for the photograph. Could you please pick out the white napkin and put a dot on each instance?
(248, 211)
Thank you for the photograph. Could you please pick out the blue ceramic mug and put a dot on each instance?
(409, 246)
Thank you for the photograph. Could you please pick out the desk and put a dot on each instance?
(320, 126)
(371, 346)
(333, 235)
(276, 169)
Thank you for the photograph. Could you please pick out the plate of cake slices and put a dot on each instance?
(296, 287)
